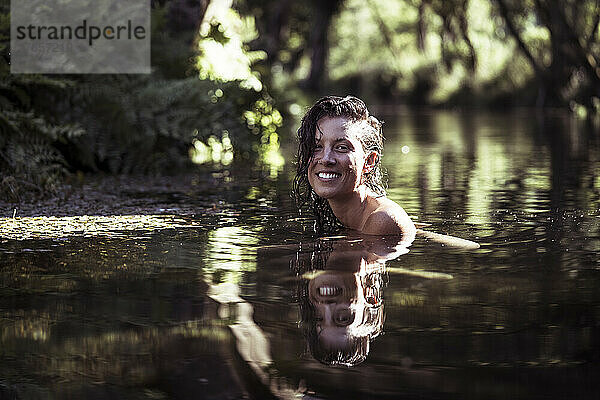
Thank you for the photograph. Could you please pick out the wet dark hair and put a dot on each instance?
(371, 138)
(354, 353)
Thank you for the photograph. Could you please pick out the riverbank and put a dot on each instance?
(101, 205)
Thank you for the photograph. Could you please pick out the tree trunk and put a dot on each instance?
(324, 12)
(275, 29)
(570, 50)
(421, 28)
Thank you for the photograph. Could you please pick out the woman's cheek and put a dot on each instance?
(353, 165)
(311, 168)
(310, 178)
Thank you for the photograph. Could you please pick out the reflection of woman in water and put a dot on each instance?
(341, 303)
(339, 170)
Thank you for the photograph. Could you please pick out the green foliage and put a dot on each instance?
(284, 29)
(437, 52)
(170, 52)
(561, 43)
(422, 51)
(223, 55)
(145, 125)
(30, 162)
(131, 123)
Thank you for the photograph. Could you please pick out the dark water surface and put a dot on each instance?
(220, 311)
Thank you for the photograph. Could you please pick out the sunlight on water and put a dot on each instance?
(231, 252)
(44, 227)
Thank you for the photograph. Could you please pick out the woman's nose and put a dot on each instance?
(327, 158)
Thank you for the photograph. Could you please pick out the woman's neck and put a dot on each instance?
(352, 209)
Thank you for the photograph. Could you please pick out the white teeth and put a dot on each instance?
(327, 175)
(327, 291)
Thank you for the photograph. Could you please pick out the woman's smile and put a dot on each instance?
(328, 176)
(327, 290)
(333, 287)
(338, 159)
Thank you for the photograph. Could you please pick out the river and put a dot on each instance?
(218, 309)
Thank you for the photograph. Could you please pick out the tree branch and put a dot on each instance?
(464, 30)
(421, 28)
(387, 34)
(515, 33)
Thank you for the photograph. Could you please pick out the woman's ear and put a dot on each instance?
(370, 161)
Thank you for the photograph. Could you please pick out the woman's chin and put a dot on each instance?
(325, 194)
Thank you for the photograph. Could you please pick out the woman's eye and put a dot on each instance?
(343, 147)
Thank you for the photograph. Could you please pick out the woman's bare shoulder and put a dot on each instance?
(389, 218)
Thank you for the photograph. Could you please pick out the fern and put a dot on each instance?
(145, 125)
(28, 160)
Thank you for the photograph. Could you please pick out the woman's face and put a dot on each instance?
(338, 161)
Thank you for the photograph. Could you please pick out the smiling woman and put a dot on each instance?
(339, 170)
